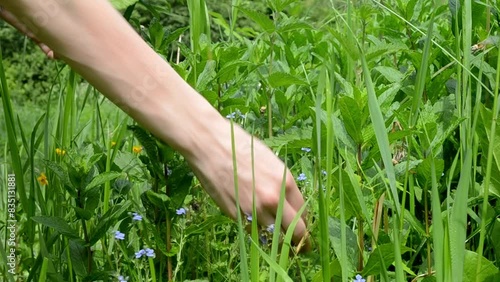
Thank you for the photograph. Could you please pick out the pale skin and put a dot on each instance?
(95, 40)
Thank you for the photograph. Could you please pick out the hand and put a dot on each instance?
(214, 168)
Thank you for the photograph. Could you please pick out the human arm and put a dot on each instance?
(100, 45)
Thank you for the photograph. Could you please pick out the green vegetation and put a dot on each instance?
(386, 113)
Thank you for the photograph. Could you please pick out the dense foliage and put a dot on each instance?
(386, 112)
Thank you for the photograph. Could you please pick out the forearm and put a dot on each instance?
(100, 45)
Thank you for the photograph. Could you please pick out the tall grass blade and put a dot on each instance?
(385, 151)
(12, 139)
(324, 240)
(254, 250)
(277, 224)
(241, 232)
(458, 219)
(274, 266)
(285, 248)
(489, 162)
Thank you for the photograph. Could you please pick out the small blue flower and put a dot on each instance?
(140, 253)
(119, 235)
(181, 211)
(302, 177)
(270, 228)
(150, 252)
(323, 172)
(235, 114)
(306, 149)
(136, 216)
(263, 239)
(121, 278)
(359, 278)
(249, 217)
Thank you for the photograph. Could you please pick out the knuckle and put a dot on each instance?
(270, 201)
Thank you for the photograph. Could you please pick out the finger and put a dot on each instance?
(293, 194)
(300, 236)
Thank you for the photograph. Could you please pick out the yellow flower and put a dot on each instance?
(113, 143)
(42, 179)
(137, 149)
(60, 152)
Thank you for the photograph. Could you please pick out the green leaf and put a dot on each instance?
(391, 74)
(58, 171)
(351, 241)
(59, 224)
(352, 207)
(351, 115)
(103, 178)
(107, 220)
(161, 201)
(278, 79)
(179, 184)
(262, 20)
(374, 265)
(122, 4)
(81, 213)
(296, 138)
(488, 271)
(79, 256)
(148, 142)
(206, 76)
(207, 224)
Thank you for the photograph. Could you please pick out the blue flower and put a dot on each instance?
(249, 217)
(150, 252)
(121, 278)
(270, 228)
(119, 235)
(323, 172)
(235, 114)
(302, 177)
(136, 216)
(263, 239)
(140, 253)
(359, 278)
(306, 149)
(180, 211)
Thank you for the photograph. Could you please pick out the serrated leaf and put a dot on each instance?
(206, 76)
(79, 256)
(260, 19)
(374, 265)
(294, 25)
(103, 178)
(351, 241)
(81, 213)
(108, 220)
(148, 142)
(351, 116)
(391, 74)
(278, 79)
(57, 223)
(122, 4)
(58, 171)
(296, 138)
(159, 200)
